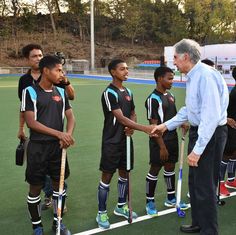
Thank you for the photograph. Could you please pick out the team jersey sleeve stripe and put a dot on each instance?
(149, 103)
(107, 100)
(23, 100)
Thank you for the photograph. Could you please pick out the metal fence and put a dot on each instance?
(83, 68)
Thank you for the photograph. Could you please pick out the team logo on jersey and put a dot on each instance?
(171, 99)
(56, 98)
(127, 98)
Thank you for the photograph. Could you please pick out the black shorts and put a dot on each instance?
(44, 159)
(230, 147)
(114, 157)
(172, 147)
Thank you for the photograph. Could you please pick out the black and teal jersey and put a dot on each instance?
(161, 107)
(231, 112)
(232, 101)
(25, 81)
(112, 99)
(48, 106)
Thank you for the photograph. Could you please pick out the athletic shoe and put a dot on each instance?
(102, 220)
(63, 230)
(151, 208)
(38, 231)
(172, 203)
(47, 203)
(230, 184)
(223, 190)
(124, 211)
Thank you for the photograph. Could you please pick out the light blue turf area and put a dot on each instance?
(84, 159)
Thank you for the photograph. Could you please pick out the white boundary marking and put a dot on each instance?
(124, 223)
(139, 219)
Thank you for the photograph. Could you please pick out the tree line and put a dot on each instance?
(134, 21)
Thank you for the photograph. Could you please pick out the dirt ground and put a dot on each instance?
(73, 47)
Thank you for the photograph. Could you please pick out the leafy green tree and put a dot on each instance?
(209, 19)
(133, 25)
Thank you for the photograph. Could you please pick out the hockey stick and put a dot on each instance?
(180, 213)
(128, 168)
(61, 188)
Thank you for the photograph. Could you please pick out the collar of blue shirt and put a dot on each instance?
(193, 70)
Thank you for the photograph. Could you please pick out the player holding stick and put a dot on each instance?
(44, 106)
(160, 106)
(120, 120)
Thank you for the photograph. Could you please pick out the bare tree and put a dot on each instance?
(3, 7)
(58, 6)
(15, 7)
(50, 6)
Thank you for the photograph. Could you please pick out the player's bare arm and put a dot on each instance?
(39, 127)
(133, 117)
(131, 124)
(69, 88)
(21, 131)
(70, 121)
(185, 127)
(163, 150)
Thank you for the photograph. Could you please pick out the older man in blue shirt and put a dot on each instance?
(206, 110)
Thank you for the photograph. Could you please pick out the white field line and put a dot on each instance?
(139, 219)
(124, 223)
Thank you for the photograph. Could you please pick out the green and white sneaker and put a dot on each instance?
(102, 220)
(172, 203)
(124, 211)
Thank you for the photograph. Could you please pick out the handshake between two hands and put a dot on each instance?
(156, 130)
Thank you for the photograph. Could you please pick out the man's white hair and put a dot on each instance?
(189, 46)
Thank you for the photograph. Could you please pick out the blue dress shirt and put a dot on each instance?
(206, 101)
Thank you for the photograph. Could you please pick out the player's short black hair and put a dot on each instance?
(234, 73)
(113, 64)
(208, 62)
(161, 71)
(28, 48)
(49, 62)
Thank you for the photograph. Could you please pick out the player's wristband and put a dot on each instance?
(67, 83)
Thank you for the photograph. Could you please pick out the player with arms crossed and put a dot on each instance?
(120, 120)
(44, 106)
(160, 106)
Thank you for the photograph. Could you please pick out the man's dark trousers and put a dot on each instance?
(203, 181)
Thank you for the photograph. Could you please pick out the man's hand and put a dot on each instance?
(193, 159)
(231, 122)
(158, 130)
(128, 131)
(164, 153)
(21, 134)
